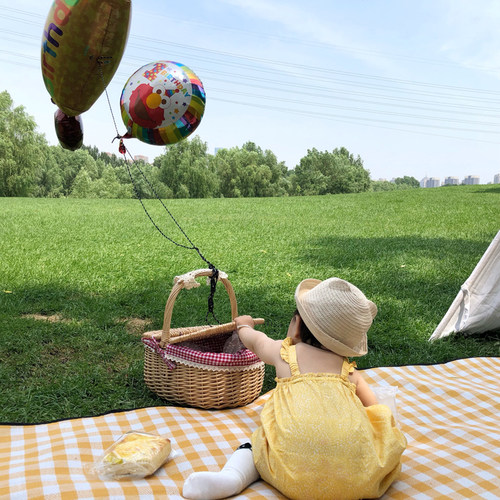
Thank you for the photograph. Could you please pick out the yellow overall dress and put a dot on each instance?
(318, 441)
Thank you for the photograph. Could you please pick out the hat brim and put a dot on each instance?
(330, 343)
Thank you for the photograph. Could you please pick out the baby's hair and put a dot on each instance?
(305, 334)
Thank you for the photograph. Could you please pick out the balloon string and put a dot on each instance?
(124, 151)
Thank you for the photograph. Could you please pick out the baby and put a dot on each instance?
(322, 433)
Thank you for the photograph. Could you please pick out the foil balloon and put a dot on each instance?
(82, 45)
(69, 130)
(162, 103)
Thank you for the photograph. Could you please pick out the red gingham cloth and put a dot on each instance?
(206, 356)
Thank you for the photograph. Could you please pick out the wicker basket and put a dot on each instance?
(206, 377)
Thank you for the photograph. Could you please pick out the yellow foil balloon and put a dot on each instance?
(82, 45)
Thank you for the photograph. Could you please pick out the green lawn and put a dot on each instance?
(81, 279)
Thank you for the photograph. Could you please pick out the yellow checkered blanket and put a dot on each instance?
(449, 413)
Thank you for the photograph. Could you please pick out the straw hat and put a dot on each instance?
(337, 313)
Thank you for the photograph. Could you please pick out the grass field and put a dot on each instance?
(80, 280)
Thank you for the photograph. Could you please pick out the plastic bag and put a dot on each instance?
(134, 455)
(386, 395)
(233, 344)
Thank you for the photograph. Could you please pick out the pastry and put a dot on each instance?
(134, 455)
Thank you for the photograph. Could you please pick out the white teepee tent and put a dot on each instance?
(476, 308)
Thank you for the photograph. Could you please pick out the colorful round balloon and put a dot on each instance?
(162, 103)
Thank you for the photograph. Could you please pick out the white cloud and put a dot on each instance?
(315, 25)
(297, 20)
(470, 34)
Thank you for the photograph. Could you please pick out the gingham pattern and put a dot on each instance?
(449, 413)
(178, 352)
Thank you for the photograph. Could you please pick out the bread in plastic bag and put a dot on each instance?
(134, 455)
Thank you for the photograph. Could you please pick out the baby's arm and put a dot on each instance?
(267, 349)
(363, 390)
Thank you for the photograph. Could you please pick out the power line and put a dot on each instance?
(270, 62)
(344, 82)
(260, 35)
(330, 85)
(361, 121)
(323, 69)
(358, 120)
(327, 90)
(323, 105)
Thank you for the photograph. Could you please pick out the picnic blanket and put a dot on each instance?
(450, 414)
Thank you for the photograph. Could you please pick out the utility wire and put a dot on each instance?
(270, 36)
(277, 82)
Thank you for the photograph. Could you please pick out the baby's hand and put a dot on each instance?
(244, 321)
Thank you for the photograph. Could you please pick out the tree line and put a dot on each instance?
(29, 166)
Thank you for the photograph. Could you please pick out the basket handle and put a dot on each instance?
(209, 331)
(188, 281)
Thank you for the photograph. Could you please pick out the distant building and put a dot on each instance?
(471, 180)
(143, 158)
(451, 181)
(430, 182)
(496, 179)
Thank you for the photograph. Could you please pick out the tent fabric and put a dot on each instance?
(449, 414)
(476, 308)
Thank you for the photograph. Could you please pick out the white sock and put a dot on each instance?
(238, 473)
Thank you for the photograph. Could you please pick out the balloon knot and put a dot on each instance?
(121, 148)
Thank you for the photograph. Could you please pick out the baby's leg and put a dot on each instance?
(238, 473)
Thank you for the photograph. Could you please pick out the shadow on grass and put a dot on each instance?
(495, 189)
(403, 267)
(85, 362)
(413, 281)
(66, 353)
(352, 252)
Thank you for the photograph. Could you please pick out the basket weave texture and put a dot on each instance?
(203, 377)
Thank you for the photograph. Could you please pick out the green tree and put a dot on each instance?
(226, 169)
(250, 172)
(92, 151)
(394, 185)
(82, 185)
(108, 186)
(406, 180)
(383, 186)
(71, 162)
(20, 149)
(49, 182)
(323, 172)
(184, 169)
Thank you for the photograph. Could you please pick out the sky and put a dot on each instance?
(412, 87)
